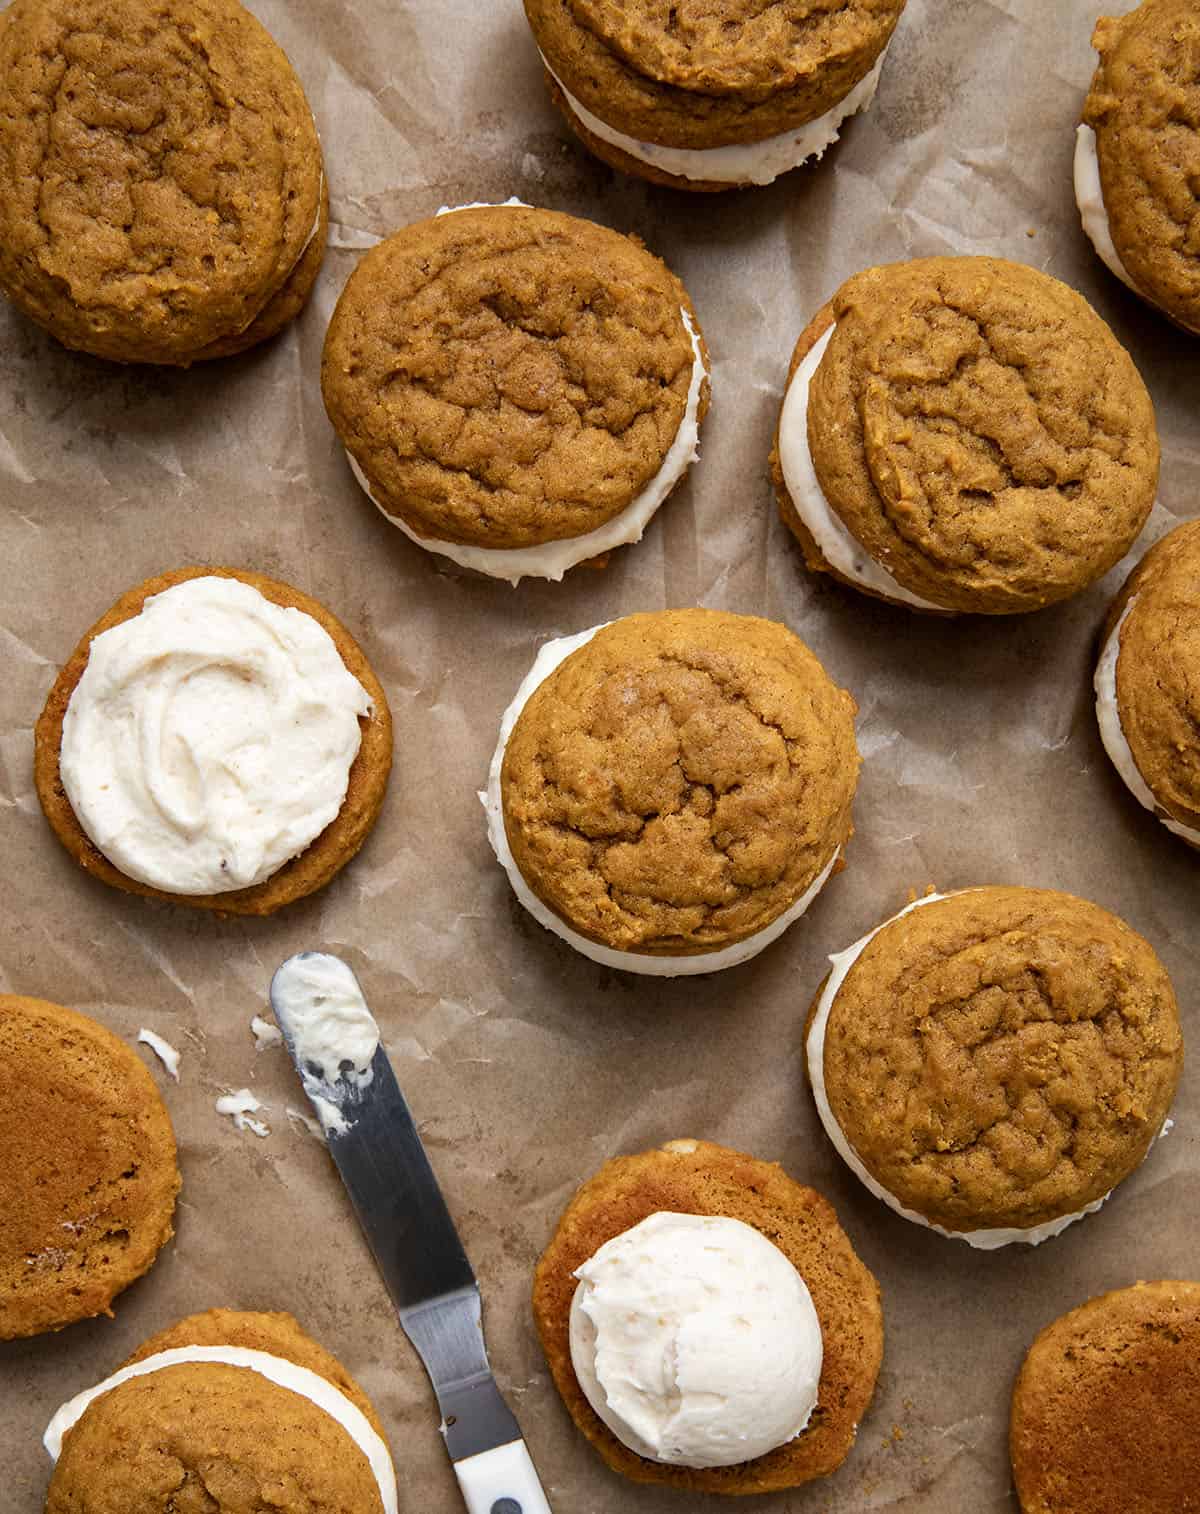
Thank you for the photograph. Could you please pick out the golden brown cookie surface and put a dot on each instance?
(702, 75)
(1106, 1408)
(1002, 1057)
(217, 1438)
(321, 860)
(1158, 671)
(507, 376)
(89, 1177)
(160, 173)
(1144, 106)
(698, 1177)
(980, 431)
(680, 781)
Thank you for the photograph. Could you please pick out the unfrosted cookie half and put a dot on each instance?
(963, 435)
(162, 194)
(701, 1179)
(709, 97)
(1106, 1407)
(228, 756)
(517, 389)
(89, 1175)
(1148, 682)
(1137, 156)
(992, 1063)
(670, 791)
(223, 1410)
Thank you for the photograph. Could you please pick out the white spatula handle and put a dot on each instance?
(502, 1481)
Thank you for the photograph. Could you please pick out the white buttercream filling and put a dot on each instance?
(838, 547)
(333, 1035)
(241, 1107)
(552, 559)
(696, 1341)
(982, 1240)
(162, 1049)
(210, 738)
(741, 162)
(548, 658)
(1108, 716)
(285, 1374)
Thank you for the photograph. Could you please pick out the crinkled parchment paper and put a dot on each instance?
(526, 1065)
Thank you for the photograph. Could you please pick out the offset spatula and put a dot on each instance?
(374, 1142)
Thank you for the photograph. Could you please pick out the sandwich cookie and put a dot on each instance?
(669, 792)
(218, 739)
(1137, 154)
(1148, 682)
(89, 1176)
(963, 435)
(1106, 1408)
(992, 1063)
(710, 97)
(224, 1410)
(516, 389)
(162, 196)
(707, 1322)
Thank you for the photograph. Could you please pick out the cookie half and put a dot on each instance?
(992, 1063)
(516, 389)
(1137, 154)
(706, 97)
(963, 435)
(216, 745)
(669, 792)
(161, 183)
(1148, 682)
(698, 1178)
(89, 1176)
(1106, 1408)
(223, 1410)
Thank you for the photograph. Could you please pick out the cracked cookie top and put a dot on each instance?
(89, 1177)
(160, 173)
(706, 73)
(699, 1177)
(505, 376)
(218, 1438)
(1094, 1384)
(1144, 106)
(1158, 671)
(680, 781)
(1003, 1057)
(982, 433)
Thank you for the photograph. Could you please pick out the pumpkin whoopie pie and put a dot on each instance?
(670, 791)
(517, 390)
(1148, 682)
(89, 1176)
(694, 1303)
(217, 739)
(963, 434)
(162, 196)
(707, 96)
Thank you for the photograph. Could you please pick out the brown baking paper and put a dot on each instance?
(527, 1065)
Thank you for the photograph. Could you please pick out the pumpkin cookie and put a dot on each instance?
(702, 1274)
(88, 1180)
(669, 792)
(224, 1410)
(1106, 1409)
(516, 389)
(1137, 154)
(218, 739)
(1148, 682)
(992, 1063)
(963, 435)
(161, 188)
(709, 97)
